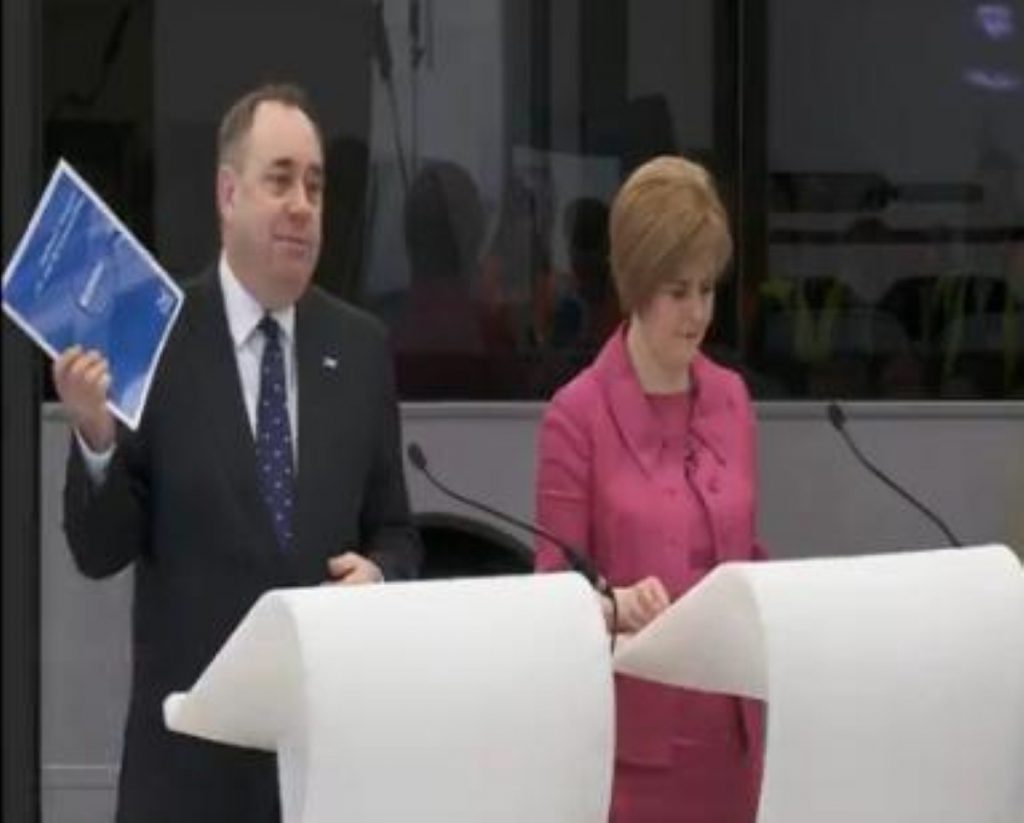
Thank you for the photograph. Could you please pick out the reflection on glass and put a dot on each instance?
(996, 20)
(499, 133)
(897, 217)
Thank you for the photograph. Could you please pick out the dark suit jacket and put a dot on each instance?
(182, 502)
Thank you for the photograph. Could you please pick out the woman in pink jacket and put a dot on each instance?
(647, 463)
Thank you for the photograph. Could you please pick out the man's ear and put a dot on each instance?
(227, 189)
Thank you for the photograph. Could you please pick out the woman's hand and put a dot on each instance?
(639, 604)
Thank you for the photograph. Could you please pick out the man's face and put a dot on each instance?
(270, 199)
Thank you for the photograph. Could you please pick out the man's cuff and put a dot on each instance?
(96, 463)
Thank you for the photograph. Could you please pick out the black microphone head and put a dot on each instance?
(416, 456)
(836, 416)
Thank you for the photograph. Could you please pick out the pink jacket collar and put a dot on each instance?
(634, 416)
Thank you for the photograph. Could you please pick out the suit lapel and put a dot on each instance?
(710, 423)
(629, 408)
(318, 364)
(220, 387)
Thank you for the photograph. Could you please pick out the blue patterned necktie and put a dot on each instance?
(274, 435)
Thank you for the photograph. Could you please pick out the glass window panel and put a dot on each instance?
(896, 197)
(500, 128)
(499, 133)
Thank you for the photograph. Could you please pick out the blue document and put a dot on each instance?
(79, 276)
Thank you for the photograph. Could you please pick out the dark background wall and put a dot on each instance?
(20, 552)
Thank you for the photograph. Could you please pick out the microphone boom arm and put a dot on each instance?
(576, 561)
(837, 418)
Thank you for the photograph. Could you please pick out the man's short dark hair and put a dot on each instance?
(237, 122)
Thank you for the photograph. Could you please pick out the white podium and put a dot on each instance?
(895, 683)
(466, 700)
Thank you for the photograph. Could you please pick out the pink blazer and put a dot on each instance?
(603, 486)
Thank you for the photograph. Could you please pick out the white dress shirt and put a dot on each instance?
(244, 314)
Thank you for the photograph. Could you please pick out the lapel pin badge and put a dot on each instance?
(330, 362)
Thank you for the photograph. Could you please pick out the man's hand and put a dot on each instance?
(351, 569)
(640, 603)
(82, 379)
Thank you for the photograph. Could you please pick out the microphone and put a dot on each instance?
(837, 417)
(576, 560)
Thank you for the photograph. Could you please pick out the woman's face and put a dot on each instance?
(674, 321)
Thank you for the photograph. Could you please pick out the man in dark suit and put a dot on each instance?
(268, 455)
